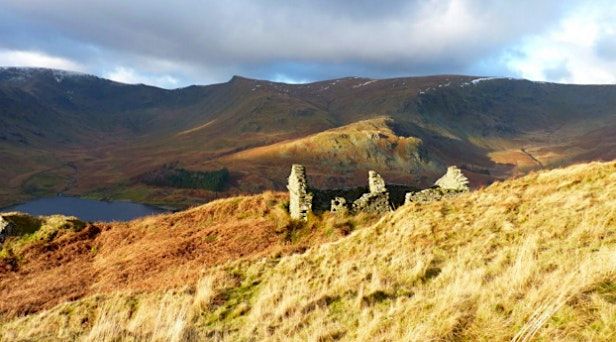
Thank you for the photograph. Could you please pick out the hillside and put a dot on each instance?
(526, 258)
(340, 154)
(57, 258)
(82, 135)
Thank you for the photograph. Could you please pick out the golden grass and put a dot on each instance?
(59, 258)
(527, 259)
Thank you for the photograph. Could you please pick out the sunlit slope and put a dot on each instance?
(336, 156)
(531, 257)
(77, 134)
(49, 260)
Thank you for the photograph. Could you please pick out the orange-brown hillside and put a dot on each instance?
(59, 259)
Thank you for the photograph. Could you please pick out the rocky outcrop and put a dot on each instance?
(7, 228)
(300, 199)
(454, 180)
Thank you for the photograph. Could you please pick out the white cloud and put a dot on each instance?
(37, 59)
(286, 79)
(568, 53)
(258, 38)
(128, 75)
(195, 41)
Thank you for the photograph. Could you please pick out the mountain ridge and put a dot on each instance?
(475, 78)
(112, 132)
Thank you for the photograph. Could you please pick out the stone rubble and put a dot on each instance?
(451, 184)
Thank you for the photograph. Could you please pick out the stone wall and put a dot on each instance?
(428, 195)
(300, 199)
(454, 180)
(451, 184)
(376, 183)
(339, 205)
(377, 198)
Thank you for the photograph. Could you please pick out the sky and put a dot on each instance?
(177, 43)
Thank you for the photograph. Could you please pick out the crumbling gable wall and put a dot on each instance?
(453, 180)
(300, 199)
(375, 201)
(452, 183)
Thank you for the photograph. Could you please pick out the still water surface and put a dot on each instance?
(86, 209)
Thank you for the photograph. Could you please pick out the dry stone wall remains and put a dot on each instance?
(454, 180)
(451, 184)
(300, 199)
(376, 183)
(339, 205)
(377, 200)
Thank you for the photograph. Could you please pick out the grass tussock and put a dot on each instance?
(527, 259)
(29, 230)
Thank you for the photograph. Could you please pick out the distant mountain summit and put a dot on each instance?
(19, 74)
(80, 134)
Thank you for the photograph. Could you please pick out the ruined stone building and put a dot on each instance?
(377, 198)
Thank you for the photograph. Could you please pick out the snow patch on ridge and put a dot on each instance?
(364, 84)
(484, 79)
(24, 73)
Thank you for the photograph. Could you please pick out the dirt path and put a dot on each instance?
(523, 150)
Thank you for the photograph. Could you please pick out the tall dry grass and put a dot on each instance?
(527, 259)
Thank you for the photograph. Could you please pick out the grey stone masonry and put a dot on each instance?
(377, 200)
(376, 183)
(339, 205)
(451, 184)
(300, 200)
(428, 195)
(454, 180)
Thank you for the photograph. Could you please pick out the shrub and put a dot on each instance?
(172, 176)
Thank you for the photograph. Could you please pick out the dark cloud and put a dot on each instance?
(206, 41)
